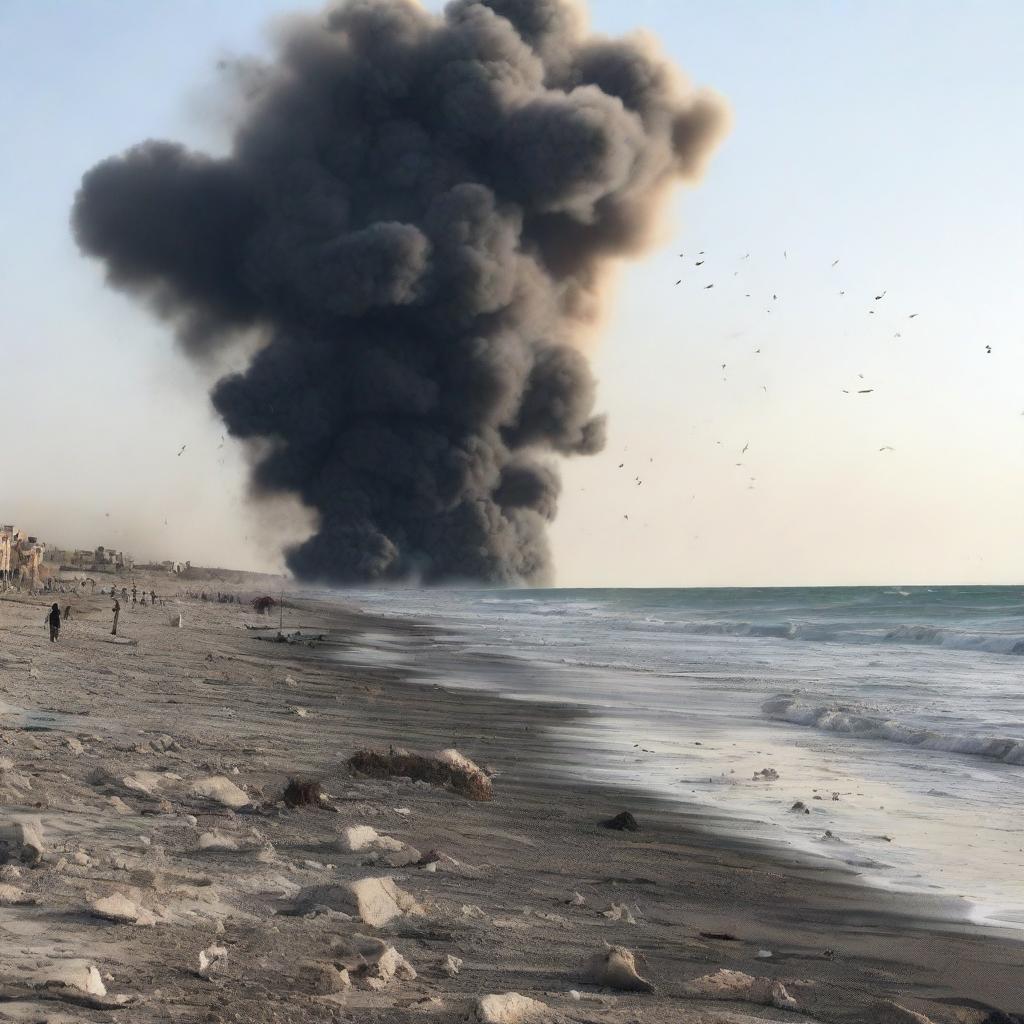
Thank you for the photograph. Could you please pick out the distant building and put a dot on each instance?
(21, 557)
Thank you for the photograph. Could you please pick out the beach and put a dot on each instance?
(110, 748)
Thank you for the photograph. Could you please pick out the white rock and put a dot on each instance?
(221, 790)
(363, 837)
(300, 712)
(122, 910)
(175, 620)
(81, 858)
(451, 965)
(615, 967)
(326, 979)
(511, 1008)
(764, 954)
(216, 841)
(212, 958)
(577, 900)
(375, 901)
(22, 841)
(77, 974)
(74, 745)
(740, 987)
(12, 896)
(619, 912)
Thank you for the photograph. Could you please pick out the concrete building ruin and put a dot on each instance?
(21, 557)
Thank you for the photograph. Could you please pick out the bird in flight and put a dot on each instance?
(707, 286)
(911, 317)
(745, 447)
(866, 391)
(183, 447)
(988, 349)
(878, 298)
(835, 263)
(887, 448)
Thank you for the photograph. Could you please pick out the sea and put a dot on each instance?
(879, 727)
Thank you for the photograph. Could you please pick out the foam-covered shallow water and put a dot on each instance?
(894, 715)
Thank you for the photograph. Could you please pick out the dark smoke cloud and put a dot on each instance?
(417, 212)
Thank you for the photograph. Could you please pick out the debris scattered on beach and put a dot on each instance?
(303, 793)
(615, 967)
(511, 1008)
(448, 769)
(624, 822)
(739, 987)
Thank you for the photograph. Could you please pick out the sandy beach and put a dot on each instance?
(107, 752)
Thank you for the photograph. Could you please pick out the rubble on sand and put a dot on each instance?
(624, 822)
(303, 793)
(375, 901)
(511, 1008)
(372, 962)
(447, 769)
(615, 967)
(22, 841)
(740, 987)
(220, 790)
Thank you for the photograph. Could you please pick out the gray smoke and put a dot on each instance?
(417, 214)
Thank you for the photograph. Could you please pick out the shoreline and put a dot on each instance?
(836, 947)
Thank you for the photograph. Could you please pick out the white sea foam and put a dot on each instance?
(844, 718)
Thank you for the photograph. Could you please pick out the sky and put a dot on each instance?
(885, 136)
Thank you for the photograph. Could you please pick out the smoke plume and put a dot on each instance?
(417, 215)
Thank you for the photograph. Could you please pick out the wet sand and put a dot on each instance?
(104, 744)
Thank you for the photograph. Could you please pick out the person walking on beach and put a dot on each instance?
(54, 620)
(117, 611)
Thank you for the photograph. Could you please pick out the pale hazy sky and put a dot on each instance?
(885, 135)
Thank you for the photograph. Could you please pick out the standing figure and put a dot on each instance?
(54, 620)
(117, 611)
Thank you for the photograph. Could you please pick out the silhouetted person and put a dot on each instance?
(117, 611)
(54, 620)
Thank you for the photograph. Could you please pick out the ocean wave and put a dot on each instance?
(857, 721)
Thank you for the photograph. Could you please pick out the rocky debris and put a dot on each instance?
(375, 901)
(217, 842)
(800, 808)
(451, 965)
(74, 745)
(766, 775)
(511, 1008)
(79, 975)
(615, 967)
(435, 860)
(447, 769)
(22, 841)
(619, 912)
(326, 979)
(362, 837)
(121, 910)
(576, 900)
(12, 896)
(303, 793)
(220, 790)
(372, 962)
(624, 822)
(13, 785)
(211, 958)
(893, 1013)
(174, 621)
(740, 987)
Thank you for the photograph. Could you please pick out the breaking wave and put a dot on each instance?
(853, 721)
